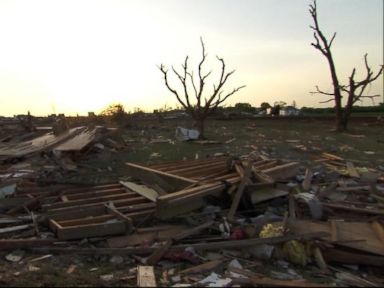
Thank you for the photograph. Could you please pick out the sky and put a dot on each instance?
(77, 56)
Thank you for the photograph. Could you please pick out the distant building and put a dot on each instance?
(289, 111)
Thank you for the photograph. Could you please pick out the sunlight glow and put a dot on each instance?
(79, 56)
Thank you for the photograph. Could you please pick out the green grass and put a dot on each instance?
(268, 135)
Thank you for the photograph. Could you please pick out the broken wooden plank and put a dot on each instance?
(255, 279)
(146, 236)
(265, 194)
(345, 257)
(291, 206)
(142, 190)
(240, 170)
(187, 163)
(283, 172)
(159, 253)
(146, 276)
(176, 181)
(30, 204)
(10, 244)
(378, 228)
(354, 209)
(307, 179)
(356, 235)
(202, 268)
(192, 231)
(165, 210)
(331, 156)
(128, 221)
(124, 201)
(14, 228)
(205, 167)
(91, 230)
(102, 199)
(228, 244)
(334, 236)
(352, 170)
(239, 192)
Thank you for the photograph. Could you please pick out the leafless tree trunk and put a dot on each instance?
(199, 108)
(354, 90)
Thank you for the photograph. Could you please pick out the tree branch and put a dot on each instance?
(165, 73)
(193, 83)
(318, 91)
(326, 101)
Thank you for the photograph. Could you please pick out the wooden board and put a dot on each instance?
(171, 181)
(282, 172)
(357, 235)
(146, 236)
(239, 192)
(146, 276)
(91, 230)
(265, 194)
(142, 190)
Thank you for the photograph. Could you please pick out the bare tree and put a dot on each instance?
(354, 90)
(199, 107)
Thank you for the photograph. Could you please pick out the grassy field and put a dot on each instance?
(292, 139)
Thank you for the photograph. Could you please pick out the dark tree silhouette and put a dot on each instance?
(200, 107)
(354, 90)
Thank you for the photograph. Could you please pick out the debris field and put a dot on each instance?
(217, 221)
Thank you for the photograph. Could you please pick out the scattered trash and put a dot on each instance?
(116, 259)
(107, 277)
(15, 256)
(215, 280)
(183, 134)
(71, 269)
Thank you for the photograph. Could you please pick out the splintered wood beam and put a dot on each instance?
(10, 244)
(331, 156)
(379, 231)
(228, 244)
(202, 268)
(345, 257)
(334, 233)
(120, 216)
(256, 279)
(282, 172)
(159, 253)
(239, 192)
(192, 231)
(354, 209)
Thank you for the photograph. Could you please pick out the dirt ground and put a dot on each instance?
(302, 140)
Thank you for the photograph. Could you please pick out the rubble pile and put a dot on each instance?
(216, 221)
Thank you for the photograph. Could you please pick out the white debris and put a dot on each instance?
(215, 280)
(183, 134)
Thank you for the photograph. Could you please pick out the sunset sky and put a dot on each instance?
(76, 56)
